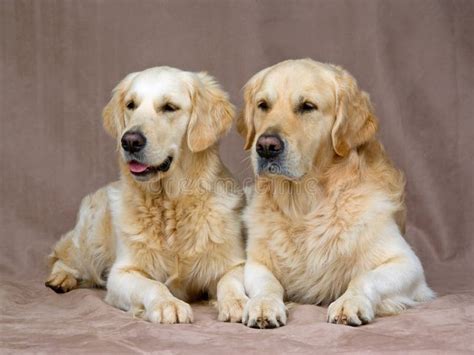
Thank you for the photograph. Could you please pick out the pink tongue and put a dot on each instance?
(136, 167)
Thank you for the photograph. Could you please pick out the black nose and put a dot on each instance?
(133, 142)
(269, 146)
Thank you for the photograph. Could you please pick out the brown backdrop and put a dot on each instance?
(59, 61)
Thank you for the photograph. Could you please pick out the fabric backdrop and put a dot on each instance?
(59, 61)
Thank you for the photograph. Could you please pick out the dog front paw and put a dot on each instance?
(170, 311)
(265, 312)
(351, 310)
(231, 309)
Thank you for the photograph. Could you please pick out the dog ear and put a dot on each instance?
(113, 112)
(355, 122)
(245, 120)
(211, 116)
(245, 124)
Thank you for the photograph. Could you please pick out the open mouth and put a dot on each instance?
(140, 169)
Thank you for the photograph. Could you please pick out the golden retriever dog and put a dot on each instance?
(326, 217)
(169, 232)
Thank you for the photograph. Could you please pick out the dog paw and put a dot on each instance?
(61, 282)
(265, 312)
(170, 311)
(231, 309)
(351, 310)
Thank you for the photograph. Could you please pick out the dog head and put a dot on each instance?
(300, 112)
(160, 112)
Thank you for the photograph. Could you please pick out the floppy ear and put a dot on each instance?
(355, 122)
(212, 114)
(245, 125)
(113, 112)
(245, 122)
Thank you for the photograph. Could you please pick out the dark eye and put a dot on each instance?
(169, 108)
(131, 105)
(307, 107)
(263, 105)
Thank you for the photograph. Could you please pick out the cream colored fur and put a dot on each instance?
(328, 229)
(167, 239)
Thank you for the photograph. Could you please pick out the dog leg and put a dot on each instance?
(129, 288)
(265, 309)
(83, 255)
(231, 297)
(63, 276)
(387, 289)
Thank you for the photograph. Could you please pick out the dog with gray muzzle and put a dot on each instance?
(326, 220)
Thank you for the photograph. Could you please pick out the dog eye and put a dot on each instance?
(263, 105)
(169, 108)
(307, 107)
(131, 105)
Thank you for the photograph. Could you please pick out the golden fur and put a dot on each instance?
(326, 227)
(170, 238)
